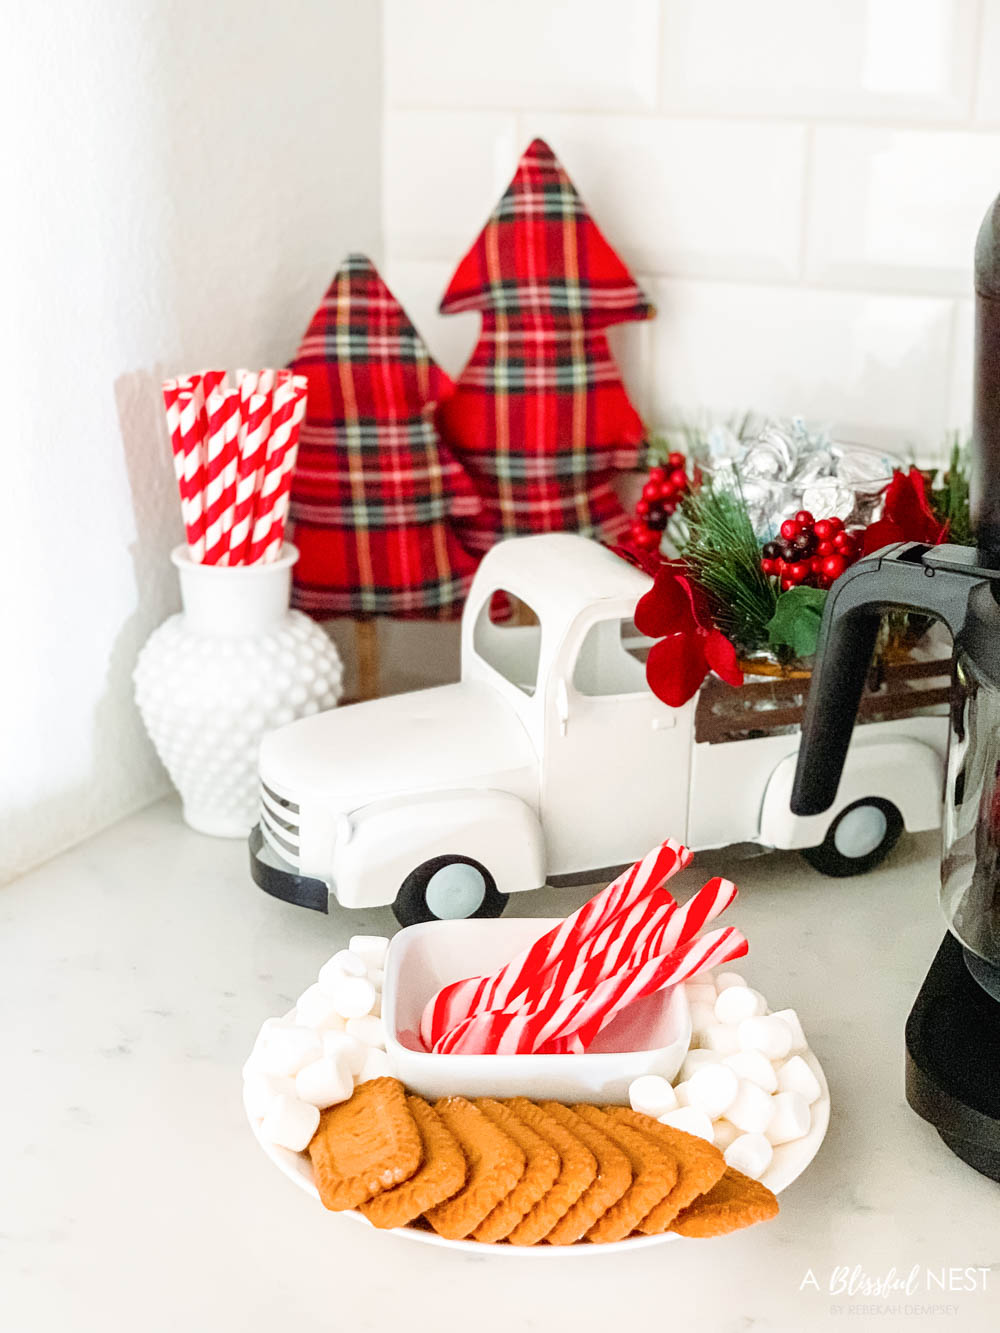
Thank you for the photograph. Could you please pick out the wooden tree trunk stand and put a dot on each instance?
(772, 698)
(366, 641)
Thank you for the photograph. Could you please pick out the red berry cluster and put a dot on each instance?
(660, 497)
(811, 551)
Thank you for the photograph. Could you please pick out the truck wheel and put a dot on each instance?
(448, 888)
(859, 839)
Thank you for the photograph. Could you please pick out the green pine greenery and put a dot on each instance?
(717, 541)
(951, 497)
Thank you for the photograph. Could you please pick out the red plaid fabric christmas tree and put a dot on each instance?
(540, 417)
(375, 493)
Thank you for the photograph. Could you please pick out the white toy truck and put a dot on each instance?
(551, 760)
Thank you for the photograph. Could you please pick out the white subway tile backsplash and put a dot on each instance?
(687, 196)
(960, 400)
(442, 175)
(798, 186)
(875, 367)
(988, 101)
(575, 54)
(899, 208)
(852, 58)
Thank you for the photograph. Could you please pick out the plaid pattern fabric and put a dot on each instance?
(540, 417)
(375, 493)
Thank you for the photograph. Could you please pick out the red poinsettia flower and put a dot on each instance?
(907, 515)
(676, 611)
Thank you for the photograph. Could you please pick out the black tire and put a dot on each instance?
(412, 907)
(828, 859)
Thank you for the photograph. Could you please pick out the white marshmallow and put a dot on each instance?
(285, 1048)
(791, 1118)
(722, 1039)
(681, 1094)
(342, 964)
(796, 1076)
(791, 1020)
(702, 1017)
(377, 977)
(696, 1059)
(751, 1109)
(260, 1090)
(353, 996)
(712, 1089)
(736, 1003)
(726, 979)
(377, 1006)
(315, 1009)
(767, 1033)
(701, 991)
(368, 1030)
(371, 949)
(690, 1120)
(651, 1095)
(324, 1083)
(755, 1066)
(724, 1132)
(751, 1154)
(290, 1123)
(346, 1048)
(254, 1061)
(377, 1065)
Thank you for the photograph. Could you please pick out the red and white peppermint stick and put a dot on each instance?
(719, 946)
(192, 477)
(710, 901)
(582, 1015)
(220, 457)
(626, 942)
(460, 999)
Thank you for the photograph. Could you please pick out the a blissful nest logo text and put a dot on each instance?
(916, 1289)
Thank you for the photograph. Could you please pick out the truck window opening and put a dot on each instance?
(508, 637)
(612, 659)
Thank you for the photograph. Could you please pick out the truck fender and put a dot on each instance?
(378, 845)
(905, 771)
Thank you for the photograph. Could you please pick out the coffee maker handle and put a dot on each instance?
(906, 576)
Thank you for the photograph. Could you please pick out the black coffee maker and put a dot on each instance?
(953, 1032)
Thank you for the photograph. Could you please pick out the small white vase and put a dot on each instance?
(234, 664)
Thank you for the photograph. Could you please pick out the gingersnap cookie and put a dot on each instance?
(653, 1177)
(542, 1164)
(495, 1165)
(577, 1171)
(365, 1145)
(735, 1201)
(699, 1166)
(614, 1176)
(440, 1174)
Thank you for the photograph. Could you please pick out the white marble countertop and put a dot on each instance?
(134, 972)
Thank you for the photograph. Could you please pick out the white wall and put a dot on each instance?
(798, 185)
(182, 180)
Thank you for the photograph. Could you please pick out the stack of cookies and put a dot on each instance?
(525, 1172)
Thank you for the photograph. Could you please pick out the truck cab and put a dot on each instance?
(549, 759)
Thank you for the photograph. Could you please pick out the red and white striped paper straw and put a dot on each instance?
(460, 999)
(271, 505)
(255, 411)
(220, 454)
(192, 483)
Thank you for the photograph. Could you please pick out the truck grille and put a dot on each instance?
(279, 823)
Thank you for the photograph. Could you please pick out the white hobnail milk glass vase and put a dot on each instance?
(234, 664)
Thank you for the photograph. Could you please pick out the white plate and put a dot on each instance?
(788, 1163)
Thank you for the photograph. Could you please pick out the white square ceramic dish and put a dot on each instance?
(650, 1037)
